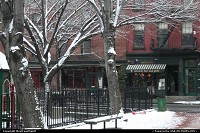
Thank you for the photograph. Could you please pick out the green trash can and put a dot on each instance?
(161, 104)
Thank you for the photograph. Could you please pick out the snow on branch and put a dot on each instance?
(98, 13)
(29, 45)
(32, 25)
(24, 68)
(66, 20)
(11, 26)
(117, 12)
(111, 50)
(13, 49)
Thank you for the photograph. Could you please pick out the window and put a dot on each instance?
(162, 34)
(187, 34)
(187, 28)
(139, 36)
(138, 5)
(35, 18)
(139, 2)
(86, 47)
(190, 63)
(74, 78)
(186, 3)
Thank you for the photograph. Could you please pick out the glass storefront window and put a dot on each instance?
(190, 63)
(142, 79)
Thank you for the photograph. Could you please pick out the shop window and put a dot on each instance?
(190, 63)
(139, 36)
(142, 79)
(75, 79)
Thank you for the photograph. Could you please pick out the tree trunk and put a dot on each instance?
(13, 26)
(112, 76)
(110, 64)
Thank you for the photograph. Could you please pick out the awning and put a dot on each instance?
(155, 68)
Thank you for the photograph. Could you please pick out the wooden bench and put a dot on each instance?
(103, 119)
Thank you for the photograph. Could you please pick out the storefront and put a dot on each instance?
(173, 74)
(150, 76)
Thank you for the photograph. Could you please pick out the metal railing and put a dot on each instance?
(70, 106)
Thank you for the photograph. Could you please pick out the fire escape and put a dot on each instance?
(161, 47)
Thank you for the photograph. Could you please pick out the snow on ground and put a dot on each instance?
(188, 102)
(147, 119)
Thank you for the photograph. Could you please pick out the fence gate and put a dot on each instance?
(10, 110)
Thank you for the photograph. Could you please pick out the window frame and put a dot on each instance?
(86, 47)
(187, 34)
(139, 34)
(162, 33)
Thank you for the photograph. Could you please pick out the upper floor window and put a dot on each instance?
(162, 34)
(186, 3)
(35, 18)
(187, 28)
(139, 5)
(134, 5)
(187, 34)
(85, 47)
(139, 2)
(139, 36)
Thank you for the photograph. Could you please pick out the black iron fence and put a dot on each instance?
(70, 106)
(138, 98)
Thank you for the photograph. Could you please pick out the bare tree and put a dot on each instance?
(57, 21)
(117, 13)
(11, 37)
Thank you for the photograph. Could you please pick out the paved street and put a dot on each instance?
(191, 120)
(184, 108)
(195, 108)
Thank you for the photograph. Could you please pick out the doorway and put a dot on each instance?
(190, 81)
(92, 82)
(173, 79)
